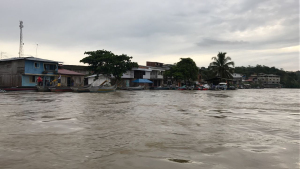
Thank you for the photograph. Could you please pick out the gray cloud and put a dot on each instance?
(212, 42)
(145, 29)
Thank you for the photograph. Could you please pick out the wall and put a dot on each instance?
(147, 75)
(11, 73)
(26, 81)
(128, 74)
(78, 80)
(30, 68)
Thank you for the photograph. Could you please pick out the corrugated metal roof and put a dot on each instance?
(69, 72)
(29, 58)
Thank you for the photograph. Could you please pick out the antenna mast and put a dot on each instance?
(21, 39)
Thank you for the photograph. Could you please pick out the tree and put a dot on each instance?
(173, 73)
(188, 69)
(221, 66)
(106, 63)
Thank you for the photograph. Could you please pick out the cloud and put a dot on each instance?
(164, 30)
(212, 42)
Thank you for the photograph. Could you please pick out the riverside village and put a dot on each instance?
(106, 72)
(149, 85)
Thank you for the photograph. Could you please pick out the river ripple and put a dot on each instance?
(242, 129)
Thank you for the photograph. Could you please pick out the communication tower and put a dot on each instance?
(21, 40)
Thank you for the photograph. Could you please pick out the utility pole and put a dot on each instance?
(36, 50)
(2, 54)
(21, 39)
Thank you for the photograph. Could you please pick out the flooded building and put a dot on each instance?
(71, 78)
(24, 71)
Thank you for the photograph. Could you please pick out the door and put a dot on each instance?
(127, 83)
(68, 81)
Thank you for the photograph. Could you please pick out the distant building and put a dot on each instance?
(267, 80)
(154, 64)
(237, 78)
(24, 71)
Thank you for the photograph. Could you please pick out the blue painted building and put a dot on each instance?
(24, 71)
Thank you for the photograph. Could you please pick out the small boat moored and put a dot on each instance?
(43, 89)
(21, 88)
(102, 89)
(60, 89)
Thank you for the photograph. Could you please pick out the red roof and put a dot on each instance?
(69, 72)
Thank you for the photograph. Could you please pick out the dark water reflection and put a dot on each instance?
(151, 129)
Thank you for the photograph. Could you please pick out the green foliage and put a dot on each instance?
(221, 66)
(207, 74)
(106, 63)
(187, 69)
(287, 79)
(173, 73)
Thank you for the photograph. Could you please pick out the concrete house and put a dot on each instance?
(24, 71)
(156, 74)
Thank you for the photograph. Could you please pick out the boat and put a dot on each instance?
(183, 88)
(81, 89)
(60, 89)
(20, 88)
(102, 89)
(135, 88)
(43, 89)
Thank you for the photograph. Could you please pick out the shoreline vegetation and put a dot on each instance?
(287, 79)
(105, 62)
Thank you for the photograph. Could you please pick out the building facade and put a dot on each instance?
(267, 80)
(24, 71)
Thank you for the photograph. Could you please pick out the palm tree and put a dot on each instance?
(221, 66)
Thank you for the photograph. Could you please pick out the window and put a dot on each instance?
(49, 67)
(32, 79)
(36, 65)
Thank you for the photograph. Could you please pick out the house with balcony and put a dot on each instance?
(156, 74)
(24, 71)
(153, 71)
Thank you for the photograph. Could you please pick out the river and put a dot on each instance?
(240, 129)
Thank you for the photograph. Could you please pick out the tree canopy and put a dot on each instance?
(221, 66)
(187, 67)
(106, 63)
(173, 73)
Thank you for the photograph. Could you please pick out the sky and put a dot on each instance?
(251, 32)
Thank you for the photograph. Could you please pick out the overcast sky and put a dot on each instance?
(252, 32)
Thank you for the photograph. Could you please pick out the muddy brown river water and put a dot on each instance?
(241, 129)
